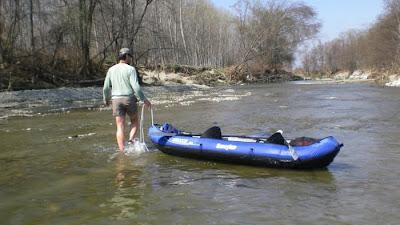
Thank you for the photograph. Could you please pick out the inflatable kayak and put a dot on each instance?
(274, 151)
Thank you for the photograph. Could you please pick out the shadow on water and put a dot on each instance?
(341, 166)
(221, 170)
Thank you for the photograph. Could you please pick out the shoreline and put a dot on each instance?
(28, 103)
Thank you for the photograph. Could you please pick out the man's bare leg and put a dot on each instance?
(120, 121)
(134, 126)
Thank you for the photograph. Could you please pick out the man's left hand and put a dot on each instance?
(147, 103)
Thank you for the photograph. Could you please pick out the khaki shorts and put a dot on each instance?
(123, 106)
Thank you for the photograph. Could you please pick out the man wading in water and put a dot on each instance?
(122, 87)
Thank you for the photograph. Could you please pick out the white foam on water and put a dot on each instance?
(187, 103)
(136, 148)
(224, 97)
(130, 150)
(221, 99)
(197, 96)
(229, 91)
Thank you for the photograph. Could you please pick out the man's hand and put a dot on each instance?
(147, 103)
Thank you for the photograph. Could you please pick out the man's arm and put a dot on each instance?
(135, 86)
(107, 89)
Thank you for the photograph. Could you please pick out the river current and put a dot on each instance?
(62, 168)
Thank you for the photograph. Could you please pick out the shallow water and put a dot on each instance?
(62, 168)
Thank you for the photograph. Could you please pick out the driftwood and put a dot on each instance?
(88, 83)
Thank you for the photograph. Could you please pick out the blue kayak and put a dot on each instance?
(299, 153)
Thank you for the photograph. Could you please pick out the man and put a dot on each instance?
(122, 87)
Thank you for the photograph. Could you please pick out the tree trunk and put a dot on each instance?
(1, 33)
(182, 32)
(85, 28)
(32, 37)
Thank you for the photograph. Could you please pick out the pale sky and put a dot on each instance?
(336, 16)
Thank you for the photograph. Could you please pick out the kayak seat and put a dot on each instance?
(277, 138)
(213, 133)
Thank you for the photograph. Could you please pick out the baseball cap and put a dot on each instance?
(125, 51)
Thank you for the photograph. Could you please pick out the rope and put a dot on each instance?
(141, 128)
(291, 150)
(152, 116)
(141, 131)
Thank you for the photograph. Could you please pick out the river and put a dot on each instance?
(62, 168)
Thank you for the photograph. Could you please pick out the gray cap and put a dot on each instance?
(125, 51)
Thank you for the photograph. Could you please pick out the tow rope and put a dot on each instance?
(140, 145)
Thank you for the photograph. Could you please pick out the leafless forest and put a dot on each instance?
(62, 41)
(376, 48)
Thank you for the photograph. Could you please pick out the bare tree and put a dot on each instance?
(271, 32)
(86, 11)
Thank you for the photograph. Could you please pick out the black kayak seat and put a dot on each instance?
(213, 133)
(277, 138)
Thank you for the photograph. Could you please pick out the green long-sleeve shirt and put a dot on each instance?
(121, 80)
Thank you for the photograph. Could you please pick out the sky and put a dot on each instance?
(336, 16)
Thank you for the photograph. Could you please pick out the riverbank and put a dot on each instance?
(15, 80)
(162, 86)
(394, 81)
(381, 78)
